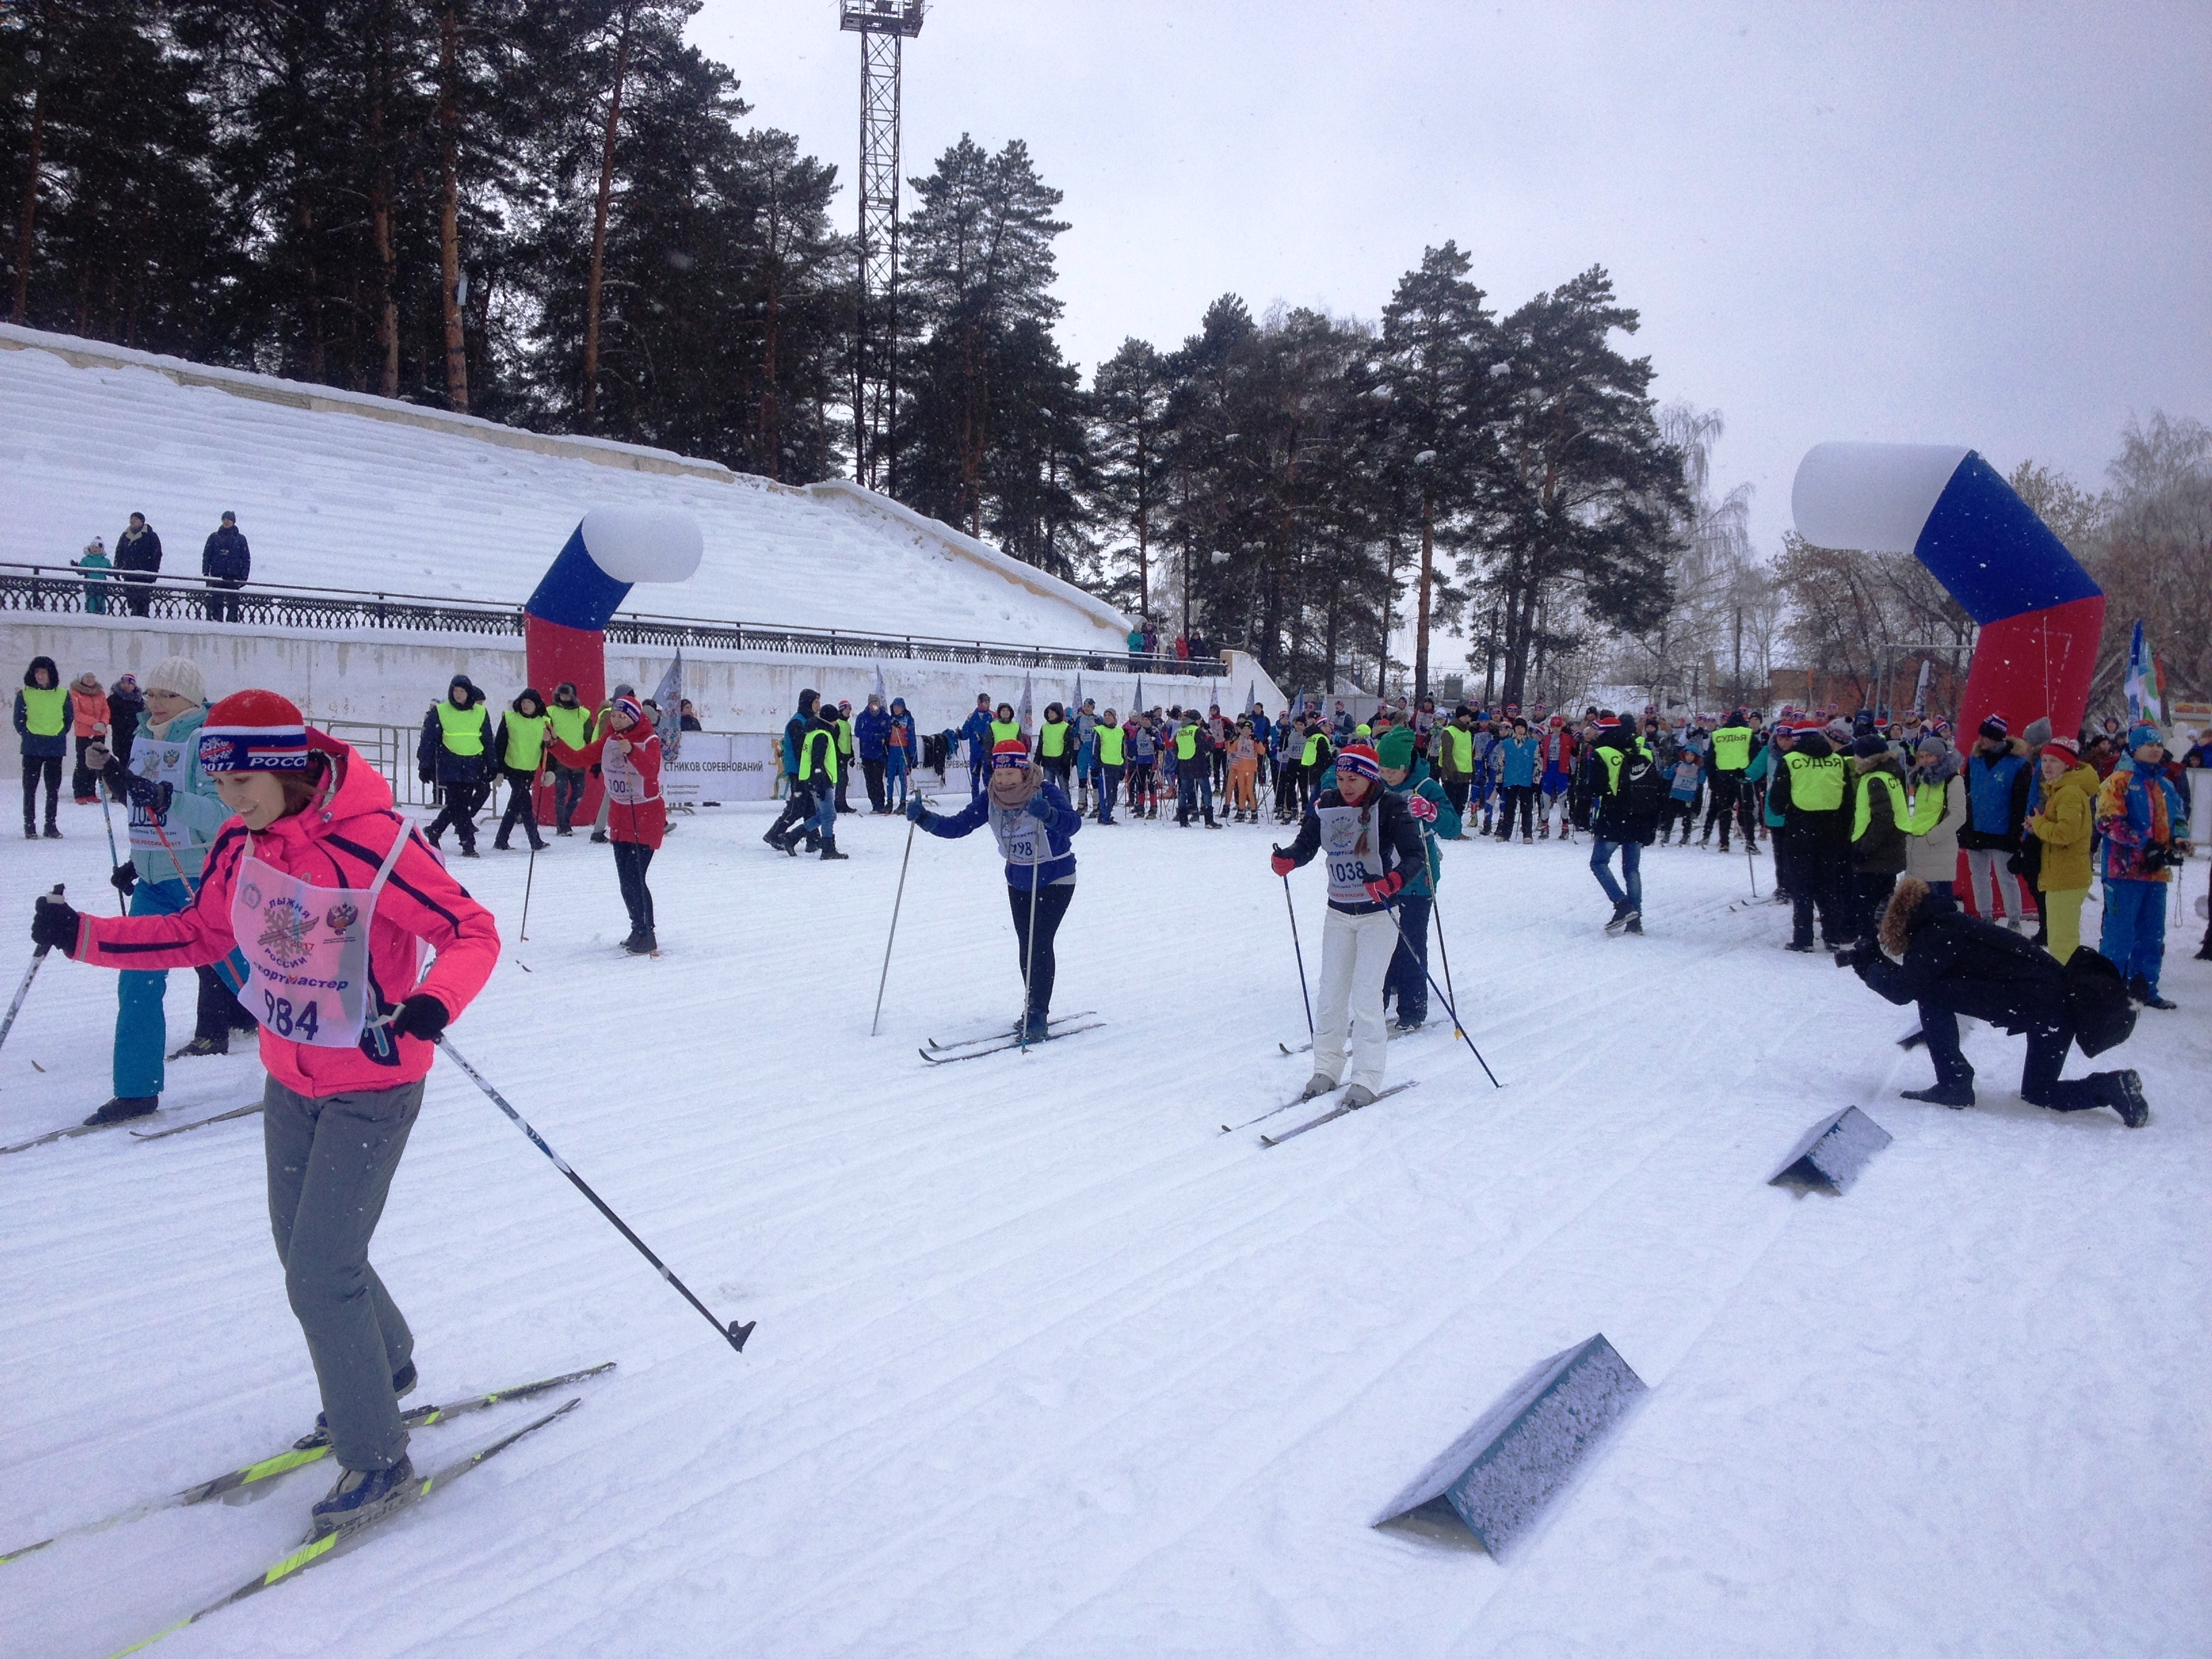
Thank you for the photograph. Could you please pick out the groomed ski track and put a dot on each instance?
(1045, 1364)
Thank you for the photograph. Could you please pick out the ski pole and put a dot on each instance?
(1029, 949)
(1459, 1029)
(1436, 910)
(883, 978)
(1751, 861)
(529, 880)
(1299, 951)
(734, 1332)
(24, 989)
(122, 904)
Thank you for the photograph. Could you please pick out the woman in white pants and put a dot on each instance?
(1369, 838)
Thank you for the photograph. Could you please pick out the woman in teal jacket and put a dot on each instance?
(1407, 774)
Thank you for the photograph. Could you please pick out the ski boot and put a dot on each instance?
(830, 850)
(200, 1046)
(403, 1384)
(1037, 1028)
(364, 1495)
(123, 1108)
(1316, 1085)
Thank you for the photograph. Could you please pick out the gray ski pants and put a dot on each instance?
(331, 1164)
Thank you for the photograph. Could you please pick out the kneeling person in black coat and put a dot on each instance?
(1928, 951)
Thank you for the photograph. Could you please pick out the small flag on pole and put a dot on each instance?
(2146, 692)
(1139, 706)
(1023, 717)
(668, 698)
(882, 696)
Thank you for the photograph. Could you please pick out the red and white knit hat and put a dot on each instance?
(1360, 760)
(254, 732)
(1009, 751)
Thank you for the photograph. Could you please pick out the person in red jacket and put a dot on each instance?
(628, 756)
(328, 893)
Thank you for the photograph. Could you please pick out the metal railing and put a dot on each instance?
(390, 750)
(62, 590)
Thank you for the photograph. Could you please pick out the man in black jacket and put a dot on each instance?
(1811, 790)
(455, 754)
(137, 558)
(225, 561)
(1618, 761)
(1928, 951)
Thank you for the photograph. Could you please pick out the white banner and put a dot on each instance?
(720, 766)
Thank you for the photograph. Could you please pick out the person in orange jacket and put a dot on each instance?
(88, 703)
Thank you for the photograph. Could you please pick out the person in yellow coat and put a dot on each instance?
(2063, 825)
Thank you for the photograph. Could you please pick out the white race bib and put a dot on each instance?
(307, 950)
(158, 761)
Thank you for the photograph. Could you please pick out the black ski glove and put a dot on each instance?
(54, 925)
(144, 793)
(423, 1016)
(125, 877)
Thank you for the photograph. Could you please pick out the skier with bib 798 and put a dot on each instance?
(1370, 839)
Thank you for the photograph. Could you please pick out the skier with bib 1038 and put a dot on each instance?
(1371, 841)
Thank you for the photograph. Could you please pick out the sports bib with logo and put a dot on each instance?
(307, 950)
(1348, 843)
(158, 761)
(625, 783)
(1022, 839)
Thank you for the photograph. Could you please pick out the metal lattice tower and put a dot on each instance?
(884, 27)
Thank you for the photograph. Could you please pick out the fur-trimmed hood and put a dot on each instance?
(1899, 917)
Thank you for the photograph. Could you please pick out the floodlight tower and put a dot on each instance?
(884, 26)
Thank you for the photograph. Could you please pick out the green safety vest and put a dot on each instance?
(1927, 804)
(1862, 814)
(827, 743)
(45, 712)
(1002, 731)
(1052, 739)
(525, 740)
(463, 729)
(1313, 749)
(844, 737)
(1110, 746)
(1732, 749)
(1186, 743)
(572, 726)
(1463, 749)
(1816, 785)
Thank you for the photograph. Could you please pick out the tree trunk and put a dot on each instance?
(449, 217)
(593, 283)
(26, 242)
(1428, 568)
(381, 192)
(311, 297)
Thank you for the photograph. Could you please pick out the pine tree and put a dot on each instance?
(1129, 438)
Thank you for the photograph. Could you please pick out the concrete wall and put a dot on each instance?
(391, 678)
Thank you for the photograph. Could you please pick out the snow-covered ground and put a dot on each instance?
(1046, 1364)
(331, 498)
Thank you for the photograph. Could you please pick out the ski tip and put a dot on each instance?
(738, 1334)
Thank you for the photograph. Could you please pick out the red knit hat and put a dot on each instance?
(254, 732)
(2066, 746)
(1010, 751)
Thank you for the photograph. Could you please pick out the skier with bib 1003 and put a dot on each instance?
(1033, 824)
(328, 893)
(1371, 841)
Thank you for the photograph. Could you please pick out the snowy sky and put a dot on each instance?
(1977, 223)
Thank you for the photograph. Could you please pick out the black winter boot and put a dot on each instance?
(122, 1109)
(830, 850)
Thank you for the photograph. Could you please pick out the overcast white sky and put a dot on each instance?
(1980, 223)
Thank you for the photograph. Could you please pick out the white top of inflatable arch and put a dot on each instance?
(1874, 497)
(643, 543)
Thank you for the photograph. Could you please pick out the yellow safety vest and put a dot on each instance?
(827, 743)
(1862, 814)
(1927, 804)
(462, 729)
(1732, 749)
(1463, 749)
(1002, 731)
(1816, 785)
(1052, 739)
(1186, 743)
(844, 736)
(45, 712)
(572, 726)
(1109, 744)
(525, 740)
(1313, 748)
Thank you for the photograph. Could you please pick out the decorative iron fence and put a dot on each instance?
(46, 588)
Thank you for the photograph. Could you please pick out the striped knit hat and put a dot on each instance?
(1359, 760)
(254, 732)
(1009, 751)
